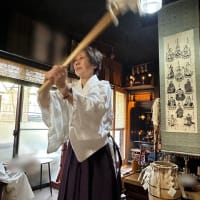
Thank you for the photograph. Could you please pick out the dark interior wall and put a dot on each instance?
(19, 37)
(5, 15)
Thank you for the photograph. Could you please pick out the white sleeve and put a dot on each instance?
(56, 117)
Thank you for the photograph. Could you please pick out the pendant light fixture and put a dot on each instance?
(150, 6)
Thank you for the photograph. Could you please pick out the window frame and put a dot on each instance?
(124, 129)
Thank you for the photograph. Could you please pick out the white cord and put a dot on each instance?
(123, 6)
(110, 7)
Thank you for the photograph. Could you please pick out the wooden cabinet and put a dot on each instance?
(135, 192)
(133, 188)
(111, 71)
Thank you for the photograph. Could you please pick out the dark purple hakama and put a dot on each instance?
(92, 179)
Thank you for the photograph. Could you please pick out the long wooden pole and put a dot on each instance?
(94, 33)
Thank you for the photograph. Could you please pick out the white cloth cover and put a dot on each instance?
(18, 186)
(86, 123)
(156, 112)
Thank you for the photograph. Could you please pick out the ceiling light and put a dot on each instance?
(150, 6)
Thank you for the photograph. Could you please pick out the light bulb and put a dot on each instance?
(150, 6)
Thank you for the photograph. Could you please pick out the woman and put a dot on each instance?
(82, 114)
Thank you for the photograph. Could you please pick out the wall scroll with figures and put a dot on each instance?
(180, 82)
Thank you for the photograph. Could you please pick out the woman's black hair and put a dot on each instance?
(95, 58)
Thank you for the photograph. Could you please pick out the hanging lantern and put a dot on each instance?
(150, 6)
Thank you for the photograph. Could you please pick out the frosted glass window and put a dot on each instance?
(8, 103)
(120, 109)
(120, 116)
(33, 131)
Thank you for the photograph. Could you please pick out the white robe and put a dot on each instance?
(86, 123)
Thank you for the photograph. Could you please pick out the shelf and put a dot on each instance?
(140, 87)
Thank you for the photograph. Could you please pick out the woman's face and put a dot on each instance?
(82, 66)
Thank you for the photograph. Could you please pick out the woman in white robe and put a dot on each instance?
(82, 114)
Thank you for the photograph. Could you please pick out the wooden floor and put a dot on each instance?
(44, 194)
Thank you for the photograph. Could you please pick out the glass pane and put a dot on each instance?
(120, 109)
(117, 137)
(8, 103)
(33, 142)
(33, 131)
(120, 115)
(120, 140)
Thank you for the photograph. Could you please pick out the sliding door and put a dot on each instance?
(119, 122)
(8, 105)
(21, 124)
(33, 132)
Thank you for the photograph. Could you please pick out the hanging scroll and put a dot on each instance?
(180, 83)
(179, 77)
